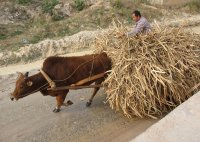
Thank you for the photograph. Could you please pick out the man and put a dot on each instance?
(142, 25)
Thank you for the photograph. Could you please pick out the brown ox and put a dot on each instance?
(63, 71)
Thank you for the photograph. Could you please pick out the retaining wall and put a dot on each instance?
(181, 125)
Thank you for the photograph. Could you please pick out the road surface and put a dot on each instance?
(31, 119)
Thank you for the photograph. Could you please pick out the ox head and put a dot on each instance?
(22, 87)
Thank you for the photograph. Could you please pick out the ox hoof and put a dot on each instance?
(88, 104)
(56, 110)
(69, 102)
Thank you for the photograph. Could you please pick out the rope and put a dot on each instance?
(92, 67)
(36, 90)
(76, 70)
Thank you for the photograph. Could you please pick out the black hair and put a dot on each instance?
(137, 13)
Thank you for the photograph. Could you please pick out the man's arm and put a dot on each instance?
(137, 29)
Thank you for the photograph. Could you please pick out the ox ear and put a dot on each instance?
(19, 73)
(29, 83)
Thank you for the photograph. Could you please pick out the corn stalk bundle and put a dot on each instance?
(153, 73)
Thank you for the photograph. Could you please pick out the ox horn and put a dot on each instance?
(26, 75)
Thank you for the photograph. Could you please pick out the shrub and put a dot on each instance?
(79, 4)
(23, 2)
(35, 39)
(2, 36)
(57, 17)
(117, 4)
(63, 31)
(17, 32)
(48, 5)
(194, 5)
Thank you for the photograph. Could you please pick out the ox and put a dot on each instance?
(63, 71)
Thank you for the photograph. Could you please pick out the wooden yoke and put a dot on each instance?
(51, 83)
(86, 80)
(81, 82)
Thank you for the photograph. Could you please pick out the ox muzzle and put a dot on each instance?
(12, 98)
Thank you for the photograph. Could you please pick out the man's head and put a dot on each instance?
(136, 15)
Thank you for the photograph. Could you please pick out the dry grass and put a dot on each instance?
(42, 26)
(151, 74)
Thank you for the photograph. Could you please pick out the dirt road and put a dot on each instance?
(31, 119)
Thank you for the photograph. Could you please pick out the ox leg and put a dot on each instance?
(94, 92)
(60, 102)
(59, 99)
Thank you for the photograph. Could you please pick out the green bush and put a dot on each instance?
(47, 33)
(63, 31)
(79, 4)
(17, 32)
(2, 36)
(117, 4)
(48, 5)
(194, 5)
(57, 17)
(23, 2)
(35, 39)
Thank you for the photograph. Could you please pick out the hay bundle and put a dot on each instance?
(153, 73)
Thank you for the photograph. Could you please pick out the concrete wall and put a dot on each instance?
(169, 2)
(181, 125)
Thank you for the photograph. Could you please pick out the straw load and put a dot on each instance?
(151, 74)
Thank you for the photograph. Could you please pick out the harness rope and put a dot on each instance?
(76, 69)
(92, 67)
(36, 90)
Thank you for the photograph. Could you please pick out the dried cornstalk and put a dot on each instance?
(151, 74)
